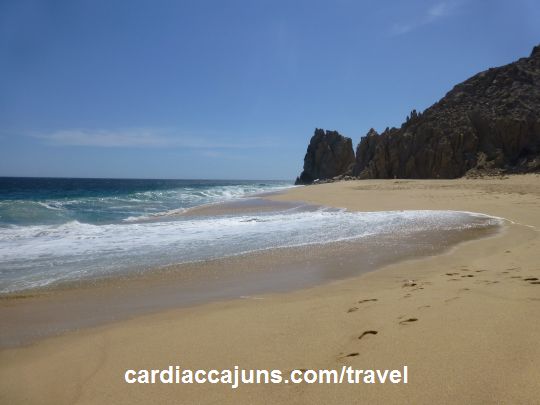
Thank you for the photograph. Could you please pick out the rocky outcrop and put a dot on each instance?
(489, 122)
(328, 155)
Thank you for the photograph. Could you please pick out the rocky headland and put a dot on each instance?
(328, 155)
(489, 124)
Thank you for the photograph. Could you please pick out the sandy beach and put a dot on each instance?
(464, 322)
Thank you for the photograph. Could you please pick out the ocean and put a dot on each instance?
(56, 230)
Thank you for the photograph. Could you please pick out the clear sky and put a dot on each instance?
(229, 89)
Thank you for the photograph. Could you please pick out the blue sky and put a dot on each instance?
(229, 89)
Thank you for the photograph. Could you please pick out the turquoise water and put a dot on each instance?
(33, 201)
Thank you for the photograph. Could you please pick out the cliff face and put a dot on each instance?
(490, 121)
(329, 154)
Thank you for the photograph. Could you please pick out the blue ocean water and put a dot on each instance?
(33, 201)
(55, 230)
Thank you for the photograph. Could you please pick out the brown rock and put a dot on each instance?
(328, 155)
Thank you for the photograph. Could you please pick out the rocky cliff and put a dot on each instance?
(329, 154)
(488, 123)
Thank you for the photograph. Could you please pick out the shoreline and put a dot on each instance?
(59, 308)
(467, 338)
(160, 270)
(258, 203)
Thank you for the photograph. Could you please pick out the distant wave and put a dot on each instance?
(100, 207)
(157, 215)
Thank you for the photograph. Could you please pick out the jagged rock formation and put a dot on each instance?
(489, 122)
(329, 154)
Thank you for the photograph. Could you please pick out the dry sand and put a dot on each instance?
(475, 338)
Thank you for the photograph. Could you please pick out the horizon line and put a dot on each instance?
(135, 178)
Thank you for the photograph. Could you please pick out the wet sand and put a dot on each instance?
(32, 315)
(473, 338)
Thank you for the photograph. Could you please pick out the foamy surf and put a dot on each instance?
(39, 255)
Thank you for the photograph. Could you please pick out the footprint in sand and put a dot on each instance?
(354, 309)
(409, 283)
(368, 332)
(407, 321)
(534, 282)
(531, 279)
(368, 300)
(468, 275)
(352, 354)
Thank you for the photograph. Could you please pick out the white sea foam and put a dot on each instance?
(38, 255)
